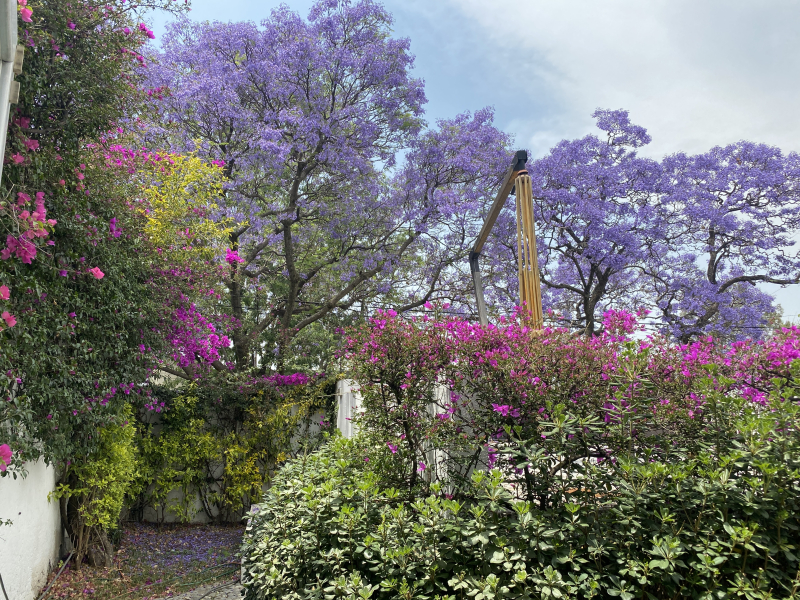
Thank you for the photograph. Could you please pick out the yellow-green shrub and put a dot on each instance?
(217, 448)
(93, 491)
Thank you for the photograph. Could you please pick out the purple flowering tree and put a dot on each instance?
(689, 236)
(726, 220)
(593, 201)
(309, 118)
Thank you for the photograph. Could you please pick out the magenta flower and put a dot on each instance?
(63, 273)
(112, 227)
(71, 25)
(23, 249)
(96, 272)
(492, 454)
(505, 410)
(9, 319)
(4, 293)
(392, 447)
(232, 256)
(32, 144)
(17, 158)
(5, 456)
(126, 31)
(421, 467)
(25, 14)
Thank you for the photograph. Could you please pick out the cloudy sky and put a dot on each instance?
(695, 74)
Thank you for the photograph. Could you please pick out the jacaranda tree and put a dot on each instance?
(725, 223)
(688, 237)
(593, 204)
(308, 117)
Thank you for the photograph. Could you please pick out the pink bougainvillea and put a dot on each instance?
(9, 319)
(5, 456)
(507, 379)
(232, 257)
(194, 338)
(30, 224)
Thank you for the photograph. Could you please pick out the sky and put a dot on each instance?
(695, 74)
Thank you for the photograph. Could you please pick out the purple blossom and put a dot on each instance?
(505, 410)
(379, 192)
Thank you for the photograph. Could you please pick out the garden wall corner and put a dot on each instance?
(30, 546)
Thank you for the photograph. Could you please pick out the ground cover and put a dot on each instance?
(155, 561)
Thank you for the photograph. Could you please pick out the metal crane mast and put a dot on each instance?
(530, 294)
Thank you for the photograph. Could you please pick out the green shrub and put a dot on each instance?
(217, 446)
(705, 526)
(94, 489)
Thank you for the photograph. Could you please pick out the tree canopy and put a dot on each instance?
(342, 196)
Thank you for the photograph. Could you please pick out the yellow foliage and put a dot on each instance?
(181, 201)
(99, 483)
(222, 464)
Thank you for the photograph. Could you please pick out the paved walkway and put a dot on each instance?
(217, 591)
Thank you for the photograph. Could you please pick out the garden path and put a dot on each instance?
(230, 590)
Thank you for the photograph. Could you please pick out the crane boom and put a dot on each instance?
(530, 294)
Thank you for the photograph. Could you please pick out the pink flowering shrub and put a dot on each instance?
(27, 226)
(194, 338)
(5, 456)
(398, 364)
(232, 257)
(502, 395)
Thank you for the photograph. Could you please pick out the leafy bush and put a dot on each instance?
(86, 297)
(94, 490)
(218, 445)
(508, 387)
(707, 527)
(557, 466)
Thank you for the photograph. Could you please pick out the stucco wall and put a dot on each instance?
(28, 548)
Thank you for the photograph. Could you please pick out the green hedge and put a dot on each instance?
(704, 527)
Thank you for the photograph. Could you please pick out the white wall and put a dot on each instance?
(28, 548)
(348, 401)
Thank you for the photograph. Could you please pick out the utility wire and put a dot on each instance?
(3, 586)
(61, 570)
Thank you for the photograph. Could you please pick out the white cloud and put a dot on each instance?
(695, 74)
